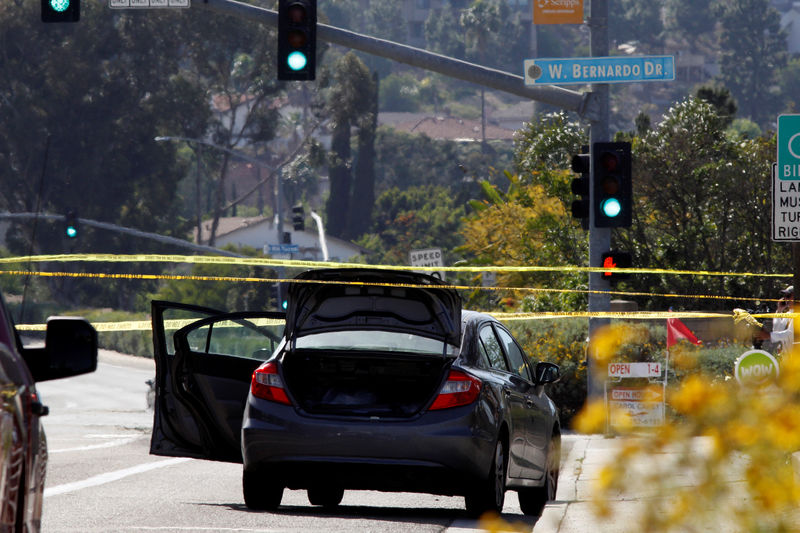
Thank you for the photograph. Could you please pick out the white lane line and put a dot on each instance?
(108, 477)
(111, 444)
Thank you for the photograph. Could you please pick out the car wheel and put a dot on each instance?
(489, 495)
(260, 492)
(325, 496)
(532, 501)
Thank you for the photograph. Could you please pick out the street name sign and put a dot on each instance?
(614, 69)
(284, 248)
(145, 4)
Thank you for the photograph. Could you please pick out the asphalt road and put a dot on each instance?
(101, 477)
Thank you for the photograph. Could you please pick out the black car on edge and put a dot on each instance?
(373, 379)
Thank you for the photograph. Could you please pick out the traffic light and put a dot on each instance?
(580, 186)
(278, 296)
(298, 218)
(61, 10)
(612, 188)
(614, 260)
(71, 225)
(297, 39)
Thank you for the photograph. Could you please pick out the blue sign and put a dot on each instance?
(789, 147)
(284, 248)
(615, 69)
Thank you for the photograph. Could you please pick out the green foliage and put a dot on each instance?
(752, 41)
(418, 217)
(702, 203)
(406, 160)
(562, 342)
(639, 21)
(400, 92)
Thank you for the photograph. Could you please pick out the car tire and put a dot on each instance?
(327, 496)
(260, 492)
(489, 495)
(533, 500)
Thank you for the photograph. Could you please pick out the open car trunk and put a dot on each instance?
(363, 384)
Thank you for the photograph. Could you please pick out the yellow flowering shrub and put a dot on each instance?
(721, 462)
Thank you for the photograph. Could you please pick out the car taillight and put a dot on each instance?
(268, 385)
(459, 389)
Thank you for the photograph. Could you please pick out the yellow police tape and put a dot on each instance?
(255, 261)
(146, 325)
(266, 261)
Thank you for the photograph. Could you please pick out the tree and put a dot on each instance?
(235, 63)
(79, 108)
(637, 20)
(418, 217)
(701, 204)
(752, 51)
(721, 100)
(350, 99)
(693, 21)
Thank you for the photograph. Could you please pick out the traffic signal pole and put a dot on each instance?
(584, 104)
(599, 238)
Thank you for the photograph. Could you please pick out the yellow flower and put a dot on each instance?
(592, 418)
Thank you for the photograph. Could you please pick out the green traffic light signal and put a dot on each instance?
(611, 207)
(61, 10)
(297, 61)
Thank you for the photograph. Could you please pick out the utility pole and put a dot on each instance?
(599, 238)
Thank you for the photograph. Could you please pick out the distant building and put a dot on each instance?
(261, 232)
(790, 21)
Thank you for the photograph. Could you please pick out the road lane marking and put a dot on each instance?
(111, 444)
(108, 477)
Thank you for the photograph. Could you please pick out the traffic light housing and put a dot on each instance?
(61, 10)
(71, 225)
(297, 39)
(580, 186)
(298, 218)
(612, 199)
(613, 260)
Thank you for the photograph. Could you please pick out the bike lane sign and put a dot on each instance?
(789, 147)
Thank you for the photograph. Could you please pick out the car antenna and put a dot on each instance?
(35, 224)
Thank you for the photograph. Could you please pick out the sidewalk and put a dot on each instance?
(574, 511)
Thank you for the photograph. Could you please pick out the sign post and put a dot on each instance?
(786, 178)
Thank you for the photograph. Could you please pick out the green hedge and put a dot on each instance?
(564, 342)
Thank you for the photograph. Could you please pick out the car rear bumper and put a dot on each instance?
(442, 452)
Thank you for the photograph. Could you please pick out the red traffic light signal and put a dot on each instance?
(613, 261)
(297, 35)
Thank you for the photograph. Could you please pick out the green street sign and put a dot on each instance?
(789, 147)
(755, 367)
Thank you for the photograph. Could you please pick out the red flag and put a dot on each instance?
(677, 331)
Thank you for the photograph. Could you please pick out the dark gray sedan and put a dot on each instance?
(374, 379)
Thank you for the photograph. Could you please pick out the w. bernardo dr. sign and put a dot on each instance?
(786, 181)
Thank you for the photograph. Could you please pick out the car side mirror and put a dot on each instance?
(70, 349)
(546, 373)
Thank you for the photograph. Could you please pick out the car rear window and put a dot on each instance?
(370, 340)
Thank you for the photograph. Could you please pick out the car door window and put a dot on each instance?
(493, 350)
(515, 356)
(255, 338)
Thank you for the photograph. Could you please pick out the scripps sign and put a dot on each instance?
(558, 12)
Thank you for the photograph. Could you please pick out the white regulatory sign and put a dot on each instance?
(145, 4)
(431, 257)
(785, 208)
